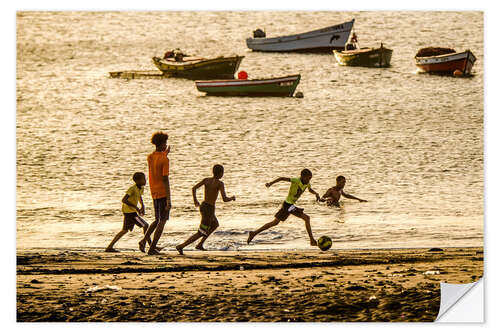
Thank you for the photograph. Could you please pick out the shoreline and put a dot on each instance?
(340, 285)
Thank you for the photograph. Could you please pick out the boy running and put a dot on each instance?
(297, 187)
(130, 210)
(333, 194)
(209, 222)
(159, 185)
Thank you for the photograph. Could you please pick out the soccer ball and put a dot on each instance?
(324, 243)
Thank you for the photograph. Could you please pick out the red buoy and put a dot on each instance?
(242, 75)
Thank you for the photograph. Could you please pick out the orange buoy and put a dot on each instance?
(242, 75)
(457, 72)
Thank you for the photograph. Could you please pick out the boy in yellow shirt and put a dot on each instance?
(131, 210)
(297, 187)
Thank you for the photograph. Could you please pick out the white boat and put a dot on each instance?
(321, 40)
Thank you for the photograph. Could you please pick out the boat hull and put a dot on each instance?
(321, 40)
(282, 86)
(216, 68)
(380, 57)
(447, 63)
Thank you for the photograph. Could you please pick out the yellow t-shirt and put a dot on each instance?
(134, 194)
(296, 190)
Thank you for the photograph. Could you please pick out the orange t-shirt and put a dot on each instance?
(158, 164)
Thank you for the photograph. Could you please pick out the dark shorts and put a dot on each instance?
(159, 206)
(286, 210)
(208, 219)
(131, 219)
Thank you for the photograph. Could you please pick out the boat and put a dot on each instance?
(279, 86)
(197, 68)
(154, 74)
(320, 40)
(366, 57)
(444, 61)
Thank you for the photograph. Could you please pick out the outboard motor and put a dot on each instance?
(259, 33)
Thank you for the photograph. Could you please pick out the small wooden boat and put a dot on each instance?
(321, 40)
(280, 86)
(154, 74)
(196, 68)
(432, 60)
(366, 57)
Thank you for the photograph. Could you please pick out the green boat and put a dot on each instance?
(280, 86)
(366, 57)
(196, 68)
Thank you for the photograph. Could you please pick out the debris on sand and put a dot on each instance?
(106, 287)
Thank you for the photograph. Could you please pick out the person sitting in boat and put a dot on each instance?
(353, 43)
(178, 55)
(168, 54)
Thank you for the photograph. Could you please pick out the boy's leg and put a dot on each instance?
(266, 226)
(147, 236)
(307, 221)
(145, 230)
(188, 241)
(113, 242)
(156, 236)
(204, 238)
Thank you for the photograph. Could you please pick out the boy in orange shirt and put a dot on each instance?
(159, 184)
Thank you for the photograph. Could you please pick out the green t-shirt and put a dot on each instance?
(296, 190)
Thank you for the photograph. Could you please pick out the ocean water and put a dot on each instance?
(411, 144)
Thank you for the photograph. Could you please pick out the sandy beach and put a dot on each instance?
(354, 285)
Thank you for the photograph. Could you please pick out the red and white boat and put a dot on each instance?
(447, 63)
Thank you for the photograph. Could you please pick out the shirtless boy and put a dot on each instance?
(209, 222)
(333, 194)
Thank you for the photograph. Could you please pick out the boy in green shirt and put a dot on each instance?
(297, 187)
(130, 210)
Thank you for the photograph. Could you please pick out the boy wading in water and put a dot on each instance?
(333, 194)
(130, 210)
(209, 222)
(159, 185)
(297, 187)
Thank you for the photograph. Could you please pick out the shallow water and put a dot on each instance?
(411, 144)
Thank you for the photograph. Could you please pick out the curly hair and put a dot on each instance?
(159, 138)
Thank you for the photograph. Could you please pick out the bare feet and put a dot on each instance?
(153, 252)
(142, 246)
(179, 249)
(251, 235)
(111, 250)
(200, 247)
(159, 248)
(313, 242)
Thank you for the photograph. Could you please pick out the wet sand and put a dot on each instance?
(340, 285)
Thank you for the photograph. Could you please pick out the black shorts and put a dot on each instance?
(286, 210)
(208, 219)
(159, 206)
(131, 219)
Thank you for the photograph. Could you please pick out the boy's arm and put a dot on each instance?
(351, 196)
(279, 179)
(326, 195)
(223, 193)
(128, 203)
(315, 193)
(196, 203)
(142, 211)
(166, 183)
